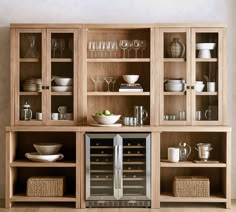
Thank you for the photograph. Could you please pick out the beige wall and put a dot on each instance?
(111, 11)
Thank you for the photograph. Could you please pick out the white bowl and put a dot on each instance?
(107, 120)
(35, 156)
(199, 87)
(61, 88)
(174, 87)
(130, 78)
(209, 46)
(174, 81)
(199, 82)
(63, 81)
(47, 148)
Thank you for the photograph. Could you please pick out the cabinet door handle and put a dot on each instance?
(116, 167)
(188, 87)
(47, 87)
(192, 87)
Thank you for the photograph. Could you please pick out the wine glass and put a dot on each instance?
(98, 48)
(124, 44)
(32, 51)
(62, 45)
(103, 49)
(136, 46)
(113, 83)
(143, 45)
(90, 48)
(130, 47)
(108, 47)
(108, 80)
(97, 82)
(54, 46)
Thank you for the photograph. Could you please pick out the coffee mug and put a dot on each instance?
(62, 109)
(68, 116)
(55, 116)
(211, 86)
(173, 154)
(39, 116)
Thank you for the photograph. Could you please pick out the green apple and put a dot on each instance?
(98, 114)
(107, 112)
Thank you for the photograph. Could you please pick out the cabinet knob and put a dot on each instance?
(188, 87)
(192, 87)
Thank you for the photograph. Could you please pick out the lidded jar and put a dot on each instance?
(26, 112)
(176, 49)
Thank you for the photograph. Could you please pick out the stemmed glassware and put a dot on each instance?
(130, 47)
(62, 46)
(108, 80)
(136, 47)
(113, 83)
(32, 51)
(54, 46)
(97, 82)
(124, 44)
(143, 45)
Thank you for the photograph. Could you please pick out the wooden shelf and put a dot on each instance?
(174, 60)
(27, 163)
(166, 93)
(168, 197)
(23, 198)
(61, 93)
(118, 60)
(61, 60)
(118, 93)
(28, 93)
(206, 93)
(193, 165)
(206, 60)
(29, 60)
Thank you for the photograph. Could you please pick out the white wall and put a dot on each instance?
(109, 11)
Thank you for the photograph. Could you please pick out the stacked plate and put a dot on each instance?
(32, 84)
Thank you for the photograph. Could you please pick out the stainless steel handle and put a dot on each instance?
(119, 166)
(116, 168)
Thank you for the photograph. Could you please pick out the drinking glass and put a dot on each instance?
(143, 45)
(32, 51)
(124, 44)
(130, 47)
(62, 46)
(113, 83)
(98, 48)
(103, 49)
(108, 47)
(108, 80)
(97, 82)
(90, 48)
(54, 46)
(136, 47)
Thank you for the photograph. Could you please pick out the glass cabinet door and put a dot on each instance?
(30, 71)
(207, 76)
(62, 81)
(101, 170)
(174, 76)
(136, 166)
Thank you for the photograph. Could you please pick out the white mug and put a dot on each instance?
(68, 116)
(55, 116)
(211, 86)
(39, 116)
(62, 109)
(198, 115)
(173, 154)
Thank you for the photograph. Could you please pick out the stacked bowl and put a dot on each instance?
(174, 85)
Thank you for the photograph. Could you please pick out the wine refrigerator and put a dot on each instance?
(118, 169)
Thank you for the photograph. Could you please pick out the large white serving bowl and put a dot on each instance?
(131, 79)
(174, 87)
(106, 120)
(47, 148)
(209, 46)
(61, 88)
(63, 81)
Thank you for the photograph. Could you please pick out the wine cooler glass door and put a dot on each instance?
(102, 166)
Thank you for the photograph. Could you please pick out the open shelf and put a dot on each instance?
(192, 164)
(27, 163)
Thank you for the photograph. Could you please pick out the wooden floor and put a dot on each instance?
(180, 207)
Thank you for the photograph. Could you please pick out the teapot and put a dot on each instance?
(184, 151)
(26, 112)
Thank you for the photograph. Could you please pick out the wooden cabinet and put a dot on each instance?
(179, 107)
(103, 53)
(35, 62)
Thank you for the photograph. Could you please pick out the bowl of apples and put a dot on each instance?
(106, 117)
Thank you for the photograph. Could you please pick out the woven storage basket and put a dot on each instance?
(191, 186)
(45, 186)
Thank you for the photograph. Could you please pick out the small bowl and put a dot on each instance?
(174, 81)
(61, 88)
(131, 79)
(63, 81)
(106, 120)
(47, 148)
(174, 87)
(199, 87)
(199, 82)
(209, 46)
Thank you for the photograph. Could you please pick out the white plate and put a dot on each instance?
(34, 156)
(106, 125)
(61, 88)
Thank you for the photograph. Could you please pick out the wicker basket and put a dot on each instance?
(191, 186)
(45, 186)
